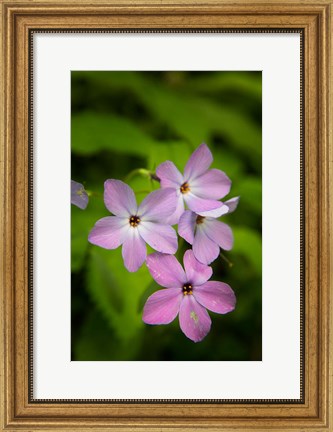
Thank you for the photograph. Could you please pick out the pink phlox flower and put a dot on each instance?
(206, 234)
(79, 196)
(188, 293)
(133, 226)
(200, 188)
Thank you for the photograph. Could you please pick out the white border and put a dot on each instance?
(278, 375)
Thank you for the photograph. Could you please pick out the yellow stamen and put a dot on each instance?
(187, 289)
(199, 219)
(134, 221)
(185, 188)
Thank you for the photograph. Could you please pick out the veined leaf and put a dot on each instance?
(250, 190)
(177, 152)
(248, 243)
(244, 83)
(82, 222)
(93, 132)
(116, 291)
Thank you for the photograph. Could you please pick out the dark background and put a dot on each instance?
(122, 121)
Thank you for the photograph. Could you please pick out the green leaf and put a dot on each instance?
(93, 132)
(250, 190)
(197, 119)
(142, 186)
(176, 151)
(248, 84)
(116, 291)
(234, 126)
(248, 243)
(107, 80)
(191, 117)
(97, 342)
(227, 161)
(82, 221)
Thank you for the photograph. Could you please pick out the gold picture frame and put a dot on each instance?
(314, 20)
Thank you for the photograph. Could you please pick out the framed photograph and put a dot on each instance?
(166, 220)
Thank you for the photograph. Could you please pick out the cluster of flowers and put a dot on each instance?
(188, 291)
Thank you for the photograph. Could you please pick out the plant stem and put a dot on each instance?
(153, 176)
(142, 172)
(224, 258)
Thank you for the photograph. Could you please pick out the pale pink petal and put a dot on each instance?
(134, 250)
(196, 272)
(232, 203)
(205, 250)
(220, 233)
(199, 205)
(193, 319)
(109, 232)
(213, 184)
(158, 205)
(162, 238)
(174, 218)
(215, 296)
(169, 175)
(79, 196)
(224, 209)
(198, 163)
(186, 226)
(119, 198)
(166, 270)
(162, 307)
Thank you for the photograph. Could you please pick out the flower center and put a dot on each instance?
(200, 219)
(187, 289)
(185, 188)
(134, 221)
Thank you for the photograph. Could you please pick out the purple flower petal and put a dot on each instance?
(232, 203)
(109, 232)
(174, 218)
(199, 205)
(162, 307)
(119, 198)
(158, 205)
(79, 196)
(134, 250)
(215, 296)
(193, 319)
(166, 270)
(162, 238)
(224, 209)
(205, 250)
(198, 163)
(169, 175)
(213, 184)
(186, 226)
(220, 233)
(196, 272)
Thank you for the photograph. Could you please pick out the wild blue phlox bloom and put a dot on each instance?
(133, 226)
(200, 188)
(79, 196)
(207, 234)
(187, 293)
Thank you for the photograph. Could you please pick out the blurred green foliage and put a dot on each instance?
(122, 121)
